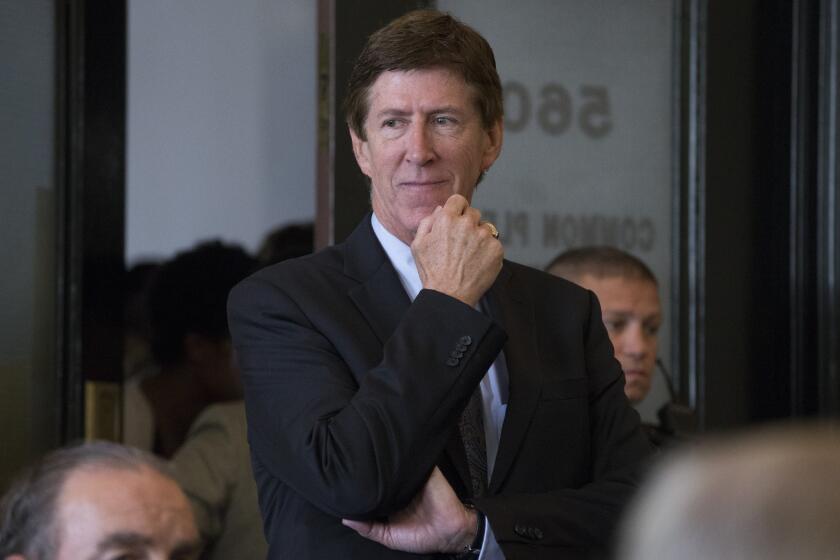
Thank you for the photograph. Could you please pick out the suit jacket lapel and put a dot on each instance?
(379, 296)
(509, 304)
(381, 299)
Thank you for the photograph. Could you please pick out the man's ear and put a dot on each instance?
(493, 147)
(360, 150)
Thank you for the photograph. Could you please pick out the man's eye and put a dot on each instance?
(443, 120)
(615, 326)
(390, 123)
(652, 330)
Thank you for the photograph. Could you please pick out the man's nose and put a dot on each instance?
(634, 342)
(420, 148)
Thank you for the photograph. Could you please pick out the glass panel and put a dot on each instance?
(28, 391)
(221, 122)
(587, 156)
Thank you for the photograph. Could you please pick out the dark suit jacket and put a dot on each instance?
(352, 398)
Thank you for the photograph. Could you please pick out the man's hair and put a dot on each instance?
(767, 495)
(600, 262)
(287, 242)
(189, 295)
(419, 40)
(27, 511)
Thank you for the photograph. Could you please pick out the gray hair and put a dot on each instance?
(27, 510)
(769, 495)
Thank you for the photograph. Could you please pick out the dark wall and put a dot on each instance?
(764, 231)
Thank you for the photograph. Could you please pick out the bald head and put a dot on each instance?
(771, 495)
(93, 501)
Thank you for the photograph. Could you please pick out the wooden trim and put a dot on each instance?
(90, 147)
(69, 151)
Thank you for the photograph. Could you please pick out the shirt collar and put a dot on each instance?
(400, 256)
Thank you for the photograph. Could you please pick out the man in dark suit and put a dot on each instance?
(409, 391)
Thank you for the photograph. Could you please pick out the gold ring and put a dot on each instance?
(493, 231)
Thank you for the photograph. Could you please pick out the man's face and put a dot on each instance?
(425, 142)
(632, 315)
(214, 367)
(108, 514)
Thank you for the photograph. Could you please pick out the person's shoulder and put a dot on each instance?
(325, 261)
(550, 296)
(289, 275)
(226, 412)
(229, 416)
(544, 284)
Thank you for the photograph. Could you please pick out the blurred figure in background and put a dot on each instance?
(631, 310)
(214, 469)
(771, 495)
(138, 327)
(213, 465)
(138, 362)
(286, 242)
(190, 343)
(97, 500)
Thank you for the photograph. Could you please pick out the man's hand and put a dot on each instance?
(454, 254)
(434, 521)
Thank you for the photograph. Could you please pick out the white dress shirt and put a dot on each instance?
(494, 388)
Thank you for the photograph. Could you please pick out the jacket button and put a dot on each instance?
(519, 530)
(458, 354)
(538, 534)
(465, 340)
(452, 362)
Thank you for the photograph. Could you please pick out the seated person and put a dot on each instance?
(767, 495)
(629, 297)
(96, 501)
(190, 343)
(213, 465)
(214, 469)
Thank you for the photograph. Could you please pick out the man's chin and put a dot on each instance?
(636, 392)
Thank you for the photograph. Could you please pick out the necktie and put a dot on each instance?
(471, 426)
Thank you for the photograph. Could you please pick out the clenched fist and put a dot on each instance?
(454, 253)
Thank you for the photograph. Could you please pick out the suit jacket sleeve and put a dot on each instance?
(355, 436)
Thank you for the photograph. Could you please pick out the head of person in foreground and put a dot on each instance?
(97, 501)
(771, 494)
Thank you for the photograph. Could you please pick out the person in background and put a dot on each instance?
(190, 342)
(286, 242)
(766, 494)
(97, 501)
(138, 362)
(213, 465)
(378, 372)
(138, 329)
(629, 296)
